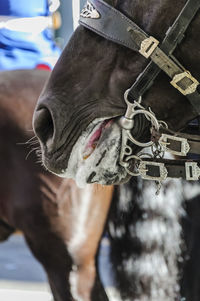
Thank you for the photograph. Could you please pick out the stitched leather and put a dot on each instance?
(175, 168)
(174, 36)
(113, 25)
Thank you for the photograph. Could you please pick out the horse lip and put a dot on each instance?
(95, 137)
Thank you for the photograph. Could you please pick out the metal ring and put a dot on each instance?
(126, 168)
(163, 123)
(127, 150)
(154, 122)
(126, 98)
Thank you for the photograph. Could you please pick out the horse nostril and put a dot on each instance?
(44, 126)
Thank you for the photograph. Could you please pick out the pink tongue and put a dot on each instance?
(91, 145)
(95, 137)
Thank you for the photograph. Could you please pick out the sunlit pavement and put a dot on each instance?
(20, 295)
(21, 277)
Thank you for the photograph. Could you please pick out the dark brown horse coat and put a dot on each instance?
(27, 195)
(88, 84)
(91, 76)
(47, 209)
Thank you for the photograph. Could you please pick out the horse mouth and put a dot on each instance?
(95, 138)
(95, 156)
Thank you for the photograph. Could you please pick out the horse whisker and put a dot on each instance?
(30, 141)
(36, 149)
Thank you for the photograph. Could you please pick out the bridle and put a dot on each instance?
(111, 24)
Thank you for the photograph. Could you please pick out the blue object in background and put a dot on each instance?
(105, 266)
(24, 8)
(66, 30)
(23, 49)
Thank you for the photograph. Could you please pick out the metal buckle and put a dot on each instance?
(192, 171)
(184, 145)
(191, 88)
(148, 46)
(143, 169)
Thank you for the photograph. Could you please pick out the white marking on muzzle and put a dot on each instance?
(80, 169)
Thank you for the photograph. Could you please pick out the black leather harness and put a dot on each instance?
(111, 24)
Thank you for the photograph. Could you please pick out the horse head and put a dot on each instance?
(77, 115)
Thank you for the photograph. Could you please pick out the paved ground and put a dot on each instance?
(21, 276)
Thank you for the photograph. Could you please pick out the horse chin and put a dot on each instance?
(97, 162)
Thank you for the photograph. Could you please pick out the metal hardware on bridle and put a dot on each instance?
(126, 122)
(125, 164)
(133, 109)
(111, 24)
(157, 151)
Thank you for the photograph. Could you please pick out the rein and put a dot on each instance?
(111, 24)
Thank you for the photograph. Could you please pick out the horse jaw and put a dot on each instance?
(101, 165)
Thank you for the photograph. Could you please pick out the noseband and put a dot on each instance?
(111, 24)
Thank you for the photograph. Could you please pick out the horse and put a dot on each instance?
(80, 105)
(76, 121)
(49, 211)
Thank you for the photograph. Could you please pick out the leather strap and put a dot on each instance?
(179, 144)
(174, 36)
(181, 79)
(113, 25)
(160, 169)
(189, 136)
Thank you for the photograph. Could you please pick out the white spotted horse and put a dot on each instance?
(94, 128)
(48, 210)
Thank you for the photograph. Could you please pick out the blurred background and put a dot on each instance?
(32, 35)
(69, 11)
